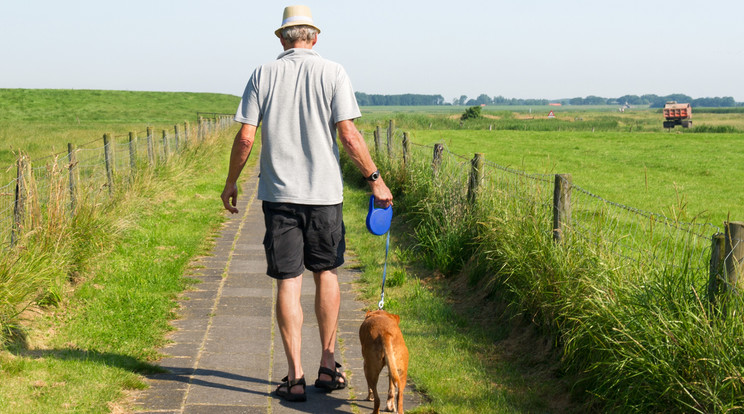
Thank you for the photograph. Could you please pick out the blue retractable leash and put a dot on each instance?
(378, 223)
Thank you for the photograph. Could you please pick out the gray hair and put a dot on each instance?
(293, 34)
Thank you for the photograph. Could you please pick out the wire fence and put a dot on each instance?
(90, 171)
(647, 240)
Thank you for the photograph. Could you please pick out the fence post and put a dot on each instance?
(476, 177)
(175, 128)
(391, 126)
(73, 178)
(717, 255)
(734, 240)
(437, 157)
(186, 134)
(109, 161)
(405, 149)
(19, 207)
(150, 150)
(561, 205)
(166, 152)
(377, 139)
(132, 151)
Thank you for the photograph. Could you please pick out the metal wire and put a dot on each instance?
(644, 238)
(47, 182)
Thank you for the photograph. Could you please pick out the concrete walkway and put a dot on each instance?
(226, 354)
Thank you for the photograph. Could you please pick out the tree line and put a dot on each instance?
(654, 101)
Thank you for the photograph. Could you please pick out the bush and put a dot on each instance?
(474, 112)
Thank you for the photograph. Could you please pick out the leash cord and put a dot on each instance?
(384, 272)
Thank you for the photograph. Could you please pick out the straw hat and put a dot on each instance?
(296, 16)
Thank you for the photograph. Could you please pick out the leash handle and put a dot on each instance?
(384, 272)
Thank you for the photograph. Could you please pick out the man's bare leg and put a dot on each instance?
(327, 308)
(289, 318)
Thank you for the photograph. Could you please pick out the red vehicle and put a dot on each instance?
(677, 114)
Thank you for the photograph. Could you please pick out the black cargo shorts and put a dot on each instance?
(300, 237)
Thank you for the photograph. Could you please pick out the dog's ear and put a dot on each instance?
(396, 317)
(366, 315)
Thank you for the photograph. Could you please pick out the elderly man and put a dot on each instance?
(302, 102)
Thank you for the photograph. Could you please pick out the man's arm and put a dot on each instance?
(355, 146)
(241, 150)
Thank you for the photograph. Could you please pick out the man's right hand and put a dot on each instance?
(383, 196)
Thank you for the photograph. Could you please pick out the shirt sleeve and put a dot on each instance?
(344, 104)
(249, 111)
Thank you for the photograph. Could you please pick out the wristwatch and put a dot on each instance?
(374, 176)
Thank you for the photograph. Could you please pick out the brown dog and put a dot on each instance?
(382, 343)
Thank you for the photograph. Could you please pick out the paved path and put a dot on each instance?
(226, 354)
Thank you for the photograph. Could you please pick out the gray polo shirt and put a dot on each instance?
(298, 99)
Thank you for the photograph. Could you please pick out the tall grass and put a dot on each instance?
(638, 337)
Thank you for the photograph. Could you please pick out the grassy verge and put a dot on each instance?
(467, 355)
(84, 353)
(631, 336)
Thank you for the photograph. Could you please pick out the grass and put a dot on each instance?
(461, 356)
(43, 122)
(654, 172)
(632, 336)
(81, 356)
(85, 300)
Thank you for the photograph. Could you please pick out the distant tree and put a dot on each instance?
(474, 112)
(463, 100)
(576, 101)
(483, 99)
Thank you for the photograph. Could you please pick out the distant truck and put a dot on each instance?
(677, 114)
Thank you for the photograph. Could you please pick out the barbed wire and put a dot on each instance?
(48, 177)
(642, 237)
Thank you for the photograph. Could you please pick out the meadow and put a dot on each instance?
(623, 300)
(40, 123)
(628, 158)
(515, 322)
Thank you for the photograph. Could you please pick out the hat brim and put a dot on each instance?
(278, 32)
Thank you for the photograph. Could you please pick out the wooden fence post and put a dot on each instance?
(437, 157)
(19, 206)
(150, 149)
(178, 138)
(166, 151)
(186, 134)
(107, 154)
(476, 177)
(391, 126)
(561, 205)
(717, 255)
(377, 140)
(73, 178)
(132, 151)
(734, 240)
(405, 149)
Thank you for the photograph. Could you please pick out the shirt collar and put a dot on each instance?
(297, 52)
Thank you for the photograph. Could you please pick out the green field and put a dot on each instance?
(624, 337)
(628, 158)
(42, 122)
(650, 171)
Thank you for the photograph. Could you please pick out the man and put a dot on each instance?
(302, 102)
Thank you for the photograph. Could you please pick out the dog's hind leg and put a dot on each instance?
(372, 377)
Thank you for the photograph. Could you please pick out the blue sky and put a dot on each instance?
(533, 49)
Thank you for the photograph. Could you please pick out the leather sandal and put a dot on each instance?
(334, 383)
(288, 395)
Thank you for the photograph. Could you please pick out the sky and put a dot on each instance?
(517, 49)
